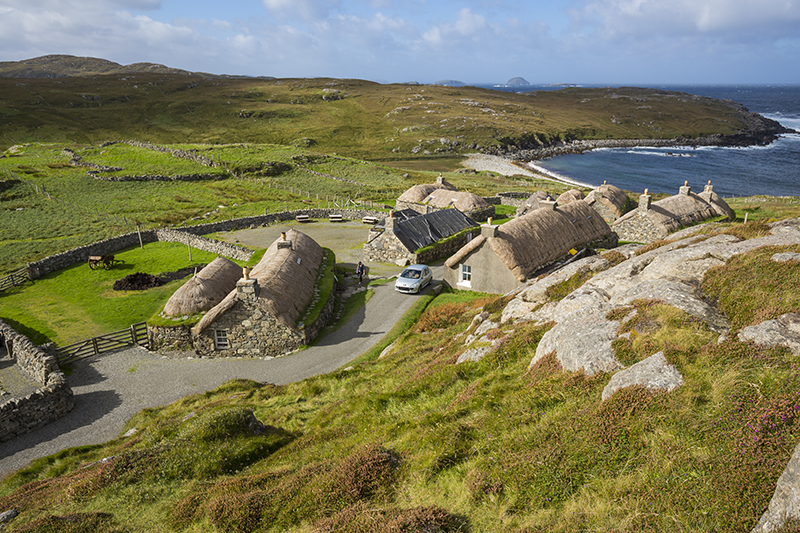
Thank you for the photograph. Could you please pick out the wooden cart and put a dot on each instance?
(106, 261)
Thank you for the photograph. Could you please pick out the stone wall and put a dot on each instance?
(516, 199)
(170, 338)
(51, 401)
(214, 246)
(37, 269)
(637, 228)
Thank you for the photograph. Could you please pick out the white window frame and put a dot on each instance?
(465, 275)
(221, 341)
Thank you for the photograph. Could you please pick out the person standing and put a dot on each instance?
(360, 272)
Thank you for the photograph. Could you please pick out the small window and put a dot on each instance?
(221, 340)
(465, 275)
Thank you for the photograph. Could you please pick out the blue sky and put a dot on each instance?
(613, 42)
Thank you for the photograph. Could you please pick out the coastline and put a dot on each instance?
(510, 167)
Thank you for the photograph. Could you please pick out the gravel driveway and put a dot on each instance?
(111, 388)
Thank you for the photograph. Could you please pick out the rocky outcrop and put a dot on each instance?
(784, 331)
(654, 373)
(583, 335)
(785, 503)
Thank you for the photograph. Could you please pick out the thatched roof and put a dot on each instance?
(463, 201)
(569, 196)
(532, 203)
(465, 250)
(206, 289)
(720, 206)
(286, 278)
(532, 241)
(611, 196)
(676, 212)
(418, 193)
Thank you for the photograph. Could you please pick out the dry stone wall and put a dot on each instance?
(37, 269)
(214, 246)
(51, 401)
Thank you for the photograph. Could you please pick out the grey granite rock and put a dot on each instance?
(785, 503)
(785, 331)
(582, 342)
(654, 373)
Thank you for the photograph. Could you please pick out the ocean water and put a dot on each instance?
(771, 170)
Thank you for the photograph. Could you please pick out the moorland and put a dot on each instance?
(410, 441)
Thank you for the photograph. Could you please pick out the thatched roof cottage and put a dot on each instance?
(428, 197)
(261, 316)
(610, 201)
(403, 235)
(503, 257)
(205, 289)
(652, 221)
(532, 203)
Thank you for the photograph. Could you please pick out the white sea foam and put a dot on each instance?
(557, 177)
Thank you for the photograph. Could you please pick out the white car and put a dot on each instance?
(413, 279)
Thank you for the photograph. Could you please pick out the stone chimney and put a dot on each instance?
(440, 179)
(547, 205)
(644, 202)
(246, 288)
(708, 191)
(283, 243)
(489, 229)
(685, 190)
(390, 223)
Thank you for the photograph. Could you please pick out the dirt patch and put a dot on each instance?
(140, 281)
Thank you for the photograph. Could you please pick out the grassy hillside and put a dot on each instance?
(353, 117)
(414, 442)
(48, 205)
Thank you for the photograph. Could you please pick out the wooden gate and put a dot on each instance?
(136, 335)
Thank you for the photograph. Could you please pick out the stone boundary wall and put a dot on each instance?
(51, 401)
(39, 268)
(214, 246)
(147, 177)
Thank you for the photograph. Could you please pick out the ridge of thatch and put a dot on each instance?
(719, 205)
(418, 193)
(529, 242)
(675, 212)
(461, 200)
(286, 279)
(570, 196)
(611, 196)
(454, 259)
(205, 289)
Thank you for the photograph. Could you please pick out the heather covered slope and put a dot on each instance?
(413, 441)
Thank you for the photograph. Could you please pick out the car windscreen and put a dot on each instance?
(410, 273)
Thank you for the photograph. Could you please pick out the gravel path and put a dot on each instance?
(111, 388)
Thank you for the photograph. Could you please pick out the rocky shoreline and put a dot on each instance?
(757, 131)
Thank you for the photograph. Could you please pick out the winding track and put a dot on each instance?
(109, 389)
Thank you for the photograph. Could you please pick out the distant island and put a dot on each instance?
(450, 83)
(518, 81)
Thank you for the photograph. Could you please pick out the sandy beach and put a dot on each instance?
(500, 165)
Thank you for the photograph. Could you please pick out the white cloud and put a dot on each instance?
(302, 9)
(690, 17)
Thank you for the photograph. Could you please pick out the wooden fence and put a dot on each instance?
(15, 278)
(136, 335)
